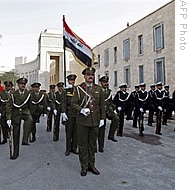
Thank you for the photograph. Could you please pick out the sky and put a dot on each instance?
(21, 22)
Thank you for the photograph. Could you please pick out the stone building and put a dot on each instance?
(142, 52)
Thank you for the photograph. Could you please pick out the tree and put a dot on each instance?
(8, 76)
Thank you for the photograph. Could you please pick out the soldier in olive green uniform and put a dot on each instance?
(59, 107)
(110, 114)
(39, 102)
(88, 101)
(4, 98)
(70, 125)
(50, 98)
(20, 108)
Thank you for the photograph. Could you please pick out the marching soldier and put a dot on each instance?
(151, 105)
(20, 108)
(39, 102)
(134, 93)
(50, 98)
(4, 98)
(88, 101)
(158, 97)
(124, 104)
(70, 125)
(142, 103)
(110, 114)
(167, 105)
(59, 106)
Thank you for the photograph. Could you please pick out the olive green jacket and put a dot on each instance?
(4, 98)
(60, 101)
(39, 102)
(109, 105)
(18, 104)
(69, 94)
(94, 100)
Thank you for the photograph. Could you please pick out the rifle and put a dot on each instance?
(158, 122)
(10, 141)
(141, 126)
(54, 128)
(117, 130)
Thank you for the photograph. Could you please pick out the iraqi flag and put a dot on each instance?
(80, 50)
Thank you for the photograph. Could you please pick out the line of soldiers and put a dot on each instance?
(83, 109)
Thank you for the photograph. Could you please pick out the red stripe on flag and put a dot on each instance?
(73, 34)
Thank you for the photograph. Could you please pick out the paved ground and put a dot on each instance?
(133, 163)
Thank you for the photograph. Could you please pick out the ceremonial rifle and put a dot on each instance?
(10, 141)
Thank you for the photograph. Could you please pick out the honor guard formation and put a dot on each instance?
(83, 109)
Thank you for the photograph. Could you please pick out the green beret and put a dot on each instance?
(8, 83)
(22, 80)
(104, 78)
(90, 70)
(36, 84)
(60, 84)
(71, 77)
(52, 86)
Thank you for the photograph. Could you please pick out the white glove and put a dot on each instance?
(55, 112)
(101, 123)
(48, 108)
(69, 86)
(160, 108)
(9, 122)
(45, 115)
(119, 108)
(64, 116)
(141, 110)
(0, 115)
(85, 111)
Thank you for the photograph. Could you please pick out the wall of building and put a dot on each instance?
(165, 15)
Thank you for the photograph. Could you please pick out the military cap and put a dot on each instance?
(90, 70)
(159, 84)
(22, 80)
(60, 84)
(123, 85)
(152, 85)
(142, 84)
(52, 86)
(166, 86)
(137, 86)
(104, 78)
(71, 77)
(8, 83)
(36, 84)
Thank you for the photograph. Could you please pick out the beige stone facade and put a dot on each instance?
(155, 34)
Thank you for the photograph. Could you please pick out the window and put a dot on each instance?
(106, 57)
(115, 78)
(99, 60)
(140, 44)
(158, 36)
(127, 75)
(160, 70)
(126, 50)
(115, 54)
(106, 73)
(141, 74)
(98, 77)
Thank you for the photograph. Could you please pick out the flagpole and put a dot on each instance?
(64, 62)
